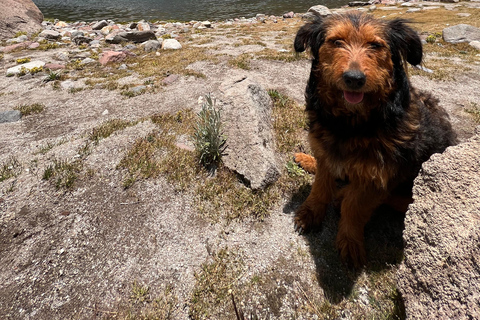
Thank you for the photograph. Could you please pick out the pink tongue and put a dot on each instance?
(353, 97)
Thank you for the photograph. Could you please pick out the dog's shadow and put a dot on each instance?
(383, 243)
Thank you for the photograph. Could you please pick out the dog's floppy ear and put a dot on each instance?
(404, 42)
(311, 35)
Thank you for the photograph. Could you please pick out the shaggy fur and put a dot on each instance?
(370, 131)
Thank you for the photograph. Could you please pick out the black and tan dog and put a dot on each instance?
(369, 129)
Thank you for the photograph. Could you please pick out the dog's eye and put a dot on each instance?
(374, 45)
(337, 43)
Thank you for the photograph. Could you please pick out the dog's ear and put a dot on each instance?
(404, 42)
(311, 35)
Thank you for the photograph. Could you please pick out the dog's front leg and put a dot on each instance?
(357, 207)
(311, 213)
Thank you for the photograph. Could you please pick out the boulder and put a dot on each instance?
(440, 275)
(461, 33)
(26, 66)
(10, 116)
(247, 114)
(319, 10)
(132, 36)
(19, 15)
(171, 44)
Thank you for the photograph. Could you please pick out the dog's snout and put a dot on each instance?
(354, 79)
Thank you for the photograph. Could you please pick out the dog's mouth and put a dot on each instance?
(353, 97)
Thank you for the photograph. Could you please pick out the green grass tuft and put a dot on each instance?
(208, 137)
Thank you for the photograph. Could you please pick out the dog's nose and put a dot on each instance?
(354, 79)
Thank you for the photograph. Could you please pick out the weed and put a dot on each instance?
(294, 170)
(46, 45)
(75, 90)
(214, 285)
(22, 60)
(287, 56)
(431, 39)
(474, 110)
(107, 128)
(208, 137)
(20, 33)
(10, 168)
(140, 294)
(30, 108)
(242, 61)
(52, 76)
(63, 173)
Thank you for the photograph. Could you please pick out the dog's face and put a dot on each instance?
(355, 56)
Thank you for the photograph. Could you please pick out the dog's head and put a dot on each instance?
(356, 56)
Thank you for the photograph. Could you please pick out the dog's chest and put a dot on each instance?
(360, 160)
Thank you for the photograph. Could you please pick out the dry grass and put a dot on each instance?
(170, 62)
(474, 111)
(10, 168)
(28, 109)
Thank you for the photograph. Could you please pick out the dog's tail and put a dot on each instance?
(307, 162)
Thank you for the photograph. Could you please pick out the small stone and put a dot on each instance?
(87, 61)
(413, 10)
(123, 67)
(151, 45)
(10, 116)
(99, 25)
(207, 24)
(112, 56)
(50, 34)
(171, 44)
(170, 79)
(81, 40)
(34, 45)
(54, 66)
(289, 15)
(475, 44)
(105, 112)
(138, 89)
(143, 26)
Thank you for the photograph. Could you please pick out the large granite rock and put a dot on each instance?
(247, 111)
(461, 33)
(440, 276)
(19, 15)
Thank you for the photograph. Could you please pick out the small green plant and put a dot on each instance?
(64, 172)
(28, 109)
(431, 39)
(22, 60)
(20, 33)
(294, 170)
(208, 137)
(10, 168)
(52, 76)
(474, 110)
(140, 294)
(107, 128)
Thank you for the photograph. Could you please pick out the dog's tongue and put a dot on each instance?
(353, 97)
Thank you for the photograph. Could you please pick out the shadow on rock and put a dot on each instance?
(383, 243)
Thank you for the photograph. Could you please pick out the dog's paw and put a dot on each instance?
(352, 250)
(307, 219)
(307, 162)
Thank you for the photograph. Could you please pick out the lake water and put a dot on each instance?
(181, 10)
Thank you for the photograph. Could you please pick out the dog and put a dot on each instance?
(369, 129)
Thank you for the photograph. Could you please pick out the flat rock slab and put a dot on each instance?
(133, 36)
(26, 66)
(461, 33)
(247, 112)
(440, 275)
(10, 116)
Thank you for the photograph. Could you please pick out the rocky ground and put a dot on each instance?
(105, 213)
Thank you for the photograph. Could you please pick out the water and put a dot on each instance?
(181, 10)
